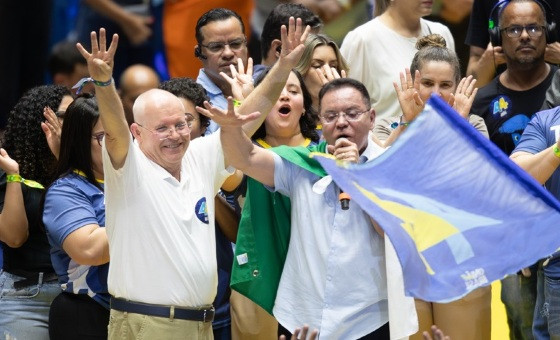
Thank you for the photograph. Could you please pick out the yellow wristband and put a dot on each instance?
(14, 178)
(556, 151)
(28, 182)
(236, 103)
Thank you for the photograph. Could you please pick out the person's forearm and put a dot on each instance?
(482, 69)
(242, 154)
(237, 147)
(541, 165)
(265, 96)
(13, 220)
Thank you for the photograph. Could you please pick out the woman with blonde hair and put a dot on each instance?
(435, 70)
(321, 61)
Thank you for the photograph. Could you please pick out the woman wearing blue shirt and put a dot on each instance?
(74, 217)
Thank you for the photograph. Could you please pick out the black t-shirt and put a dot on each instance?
(34, 254)
(477, 34)
(507, 112)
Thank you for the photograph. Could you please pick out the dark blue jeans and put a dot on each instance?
(519, 295)
(546, 323)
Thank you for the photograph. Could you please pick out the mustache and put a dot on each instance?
(522, 46)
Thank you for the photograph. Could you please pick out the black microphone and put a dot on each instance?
(344, 199)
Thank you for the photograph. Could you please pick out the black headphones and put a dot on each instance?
(198, 53)
(494, 25)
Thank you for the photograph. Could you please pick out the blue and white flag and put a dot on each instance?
(459, 213)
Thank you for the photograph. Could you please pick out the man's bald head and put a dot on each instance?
(135, 80)
(154, 104)
(161, 128)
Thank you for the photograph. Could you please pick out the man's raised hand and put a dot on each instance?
(100, 60)
(226, 118)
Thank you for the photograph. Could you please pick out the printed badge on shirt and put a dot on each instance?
(500, 105)
(201, 210)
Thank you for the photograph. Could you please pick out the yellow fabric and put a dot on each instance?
(500, 329)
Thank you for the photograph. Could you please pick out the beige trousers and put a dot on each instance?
(124, 325)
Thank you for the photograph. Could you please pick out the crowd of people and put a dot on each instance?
(136, 206)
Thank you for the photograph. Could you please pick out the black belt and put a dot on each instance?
(172, 312)
(32, 278)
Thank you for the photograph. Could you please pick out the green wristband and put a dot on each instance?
(17, 178)
(556, 151)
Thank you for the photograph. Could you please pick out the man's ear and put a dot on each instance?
(275, 48)
(372, 116)
(134, 129)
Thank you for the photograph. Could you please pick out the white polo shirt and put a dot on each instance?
(334, 276)
(161, 231)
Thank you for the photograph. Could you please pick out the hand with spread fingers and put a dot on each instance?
(293, 41)
(327, 73)
(241, 82)
(301, 334)
(464, 96)
(52, 129)
(100, 61)
(438, 334)
(408, 94)
(226, 118)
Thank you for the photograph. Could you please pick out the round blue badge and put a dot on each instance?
(201, 210)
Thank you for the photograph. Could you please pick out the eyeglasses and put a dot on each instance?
(164, 132)
(99, 137)
(350, 116)
(515, 31)
(218, 47)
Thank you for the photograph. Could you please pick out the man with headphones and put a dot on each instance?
(507, 103)
(486, 59)
(220, 34)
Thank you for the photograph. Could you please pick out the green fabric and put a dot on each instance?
(264, 232)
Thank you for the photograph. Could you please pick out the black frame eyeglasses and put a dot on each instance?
(219, 47)
(515, 31)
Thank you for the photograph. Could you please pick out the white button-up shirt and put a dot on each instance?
(334, 276)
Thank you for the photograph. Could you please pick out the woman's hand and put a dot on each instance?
(52, 129)
(293, 41)
(241, 82)
(7, 164)
(464, 96)
(327, 73)
(409, 95)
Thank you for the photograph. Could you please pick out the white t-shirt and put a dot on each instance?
(161, 231)
(377, 54)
